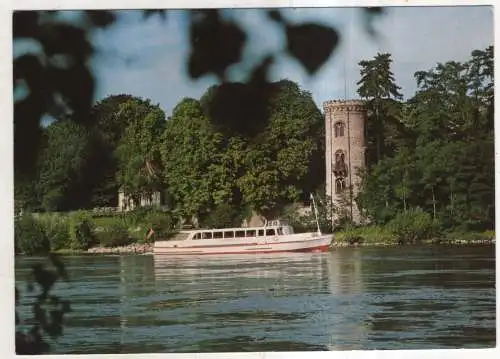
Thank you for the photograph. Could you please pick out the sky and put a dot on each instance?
(148, 58)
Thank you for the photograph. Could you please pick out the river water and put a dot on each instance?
(352, 298)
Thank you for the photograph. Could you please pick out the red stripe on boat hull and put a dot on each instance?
(240, 244)
(322, 248)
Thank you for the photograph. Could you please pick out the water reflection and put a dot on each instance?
(237, 275)
(345, 271)
(337, 272)
(361, 298)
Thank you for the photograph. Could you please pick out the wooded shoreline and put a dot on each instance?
(146, 249)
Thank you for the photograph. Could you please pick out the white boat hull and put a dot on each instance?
(293, 243)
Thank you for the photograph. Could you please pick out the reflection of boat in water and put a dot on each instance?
(237, 273)
(313, 286)
(275, 236)
(336, 272)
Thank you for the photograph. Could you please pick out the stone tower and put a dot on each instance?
(345, 153)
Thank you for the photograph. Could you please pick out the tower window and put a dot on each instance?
(340, 166)
(339, 185)
(339, 129)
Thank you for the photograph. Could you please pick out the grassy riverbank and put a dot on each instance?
(84, 233)
(374, 235)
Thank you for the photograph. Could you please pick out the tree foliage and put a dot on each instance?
(285, 162)
(109, 127)
(138, 151)
(191, 159)
(207, 163)
(378, 86)
(46, 78)
(63, 166)
(48, 309)
(44, 85)
(443, 161)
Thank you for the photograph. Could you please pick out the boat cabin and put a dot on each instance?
(270, 229)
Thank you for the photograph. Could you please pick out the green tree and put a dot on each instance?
(62, 173)
(443, 158)
(109, 126)
(138, 151)
(191, 157)
(285, 162)
(378, 86)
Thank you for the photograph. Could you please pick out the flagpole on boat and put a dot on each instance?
(315, 212)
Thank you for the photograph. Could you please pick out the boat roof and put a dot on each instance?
(270, 224)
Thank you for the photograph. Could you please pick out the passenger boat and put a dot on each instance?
(273, 236)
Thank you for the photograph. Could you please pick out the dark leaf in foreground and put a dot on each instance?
(374, 10)
(261, 71)
(369, 14)
(311, 44)
(24, 23)
(77, 98)
(275, 15)
(238, 108)
(59, 265)
(101, 18)
(64, 39)
(150, 12)
(215, 44)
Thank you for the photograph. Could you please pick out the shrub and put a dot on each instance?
(413, 226)
(29, 237)
(81, 231)
(300, 223)
(138, 235)
(162, 223)
(306, 222)
(137, 216)
(351, 233)
(56, 228)
(114, 236)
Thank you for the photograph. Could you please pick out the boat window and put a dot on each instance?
(217, 234)
(287, 230)
(261, 232)
(229, 234)
(280, 231)
(251, 233)
(206, 235)
(240, 234)
(197, 236)
(270, 232)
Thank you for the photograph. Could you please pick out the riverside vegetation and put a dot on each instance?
(429, 175)
(438, 144)
(79, 232)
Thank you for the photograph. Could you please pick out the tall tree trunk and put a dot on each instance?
(451, 203)
(379, 132)
(433, 203)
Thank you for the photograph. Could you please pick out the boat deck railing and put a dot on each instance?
(275, 223)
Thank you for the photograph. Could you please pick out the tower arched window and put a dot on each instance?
(339, 129)
(340, 166)
(339, 185)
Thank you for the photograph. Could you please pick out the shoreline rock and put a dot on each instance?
(134, 248)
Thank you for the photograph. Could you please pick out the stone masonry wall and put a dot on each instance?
(351, 114)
